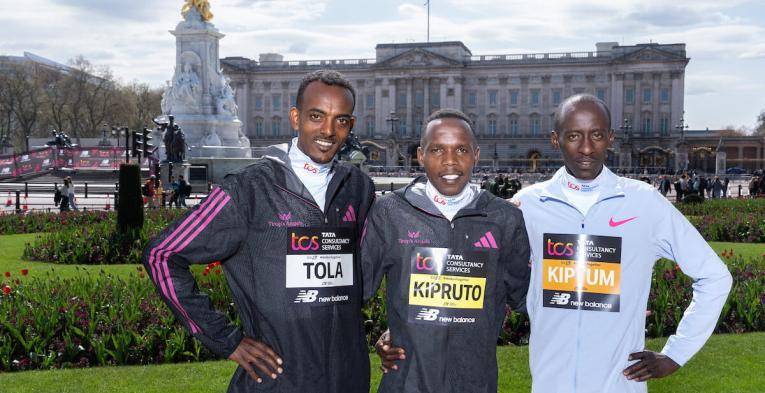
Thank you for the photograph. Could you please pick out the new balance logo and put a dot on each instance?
(306, 296)
(427, 314)
(486, 241)
(560, 299)
(350, 215)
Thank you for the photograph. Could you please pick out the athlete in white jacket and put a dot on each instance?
(594, 240)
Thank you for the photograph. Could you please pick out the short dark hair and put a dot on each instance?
(327, 77)
(448, 114)
(570, 102)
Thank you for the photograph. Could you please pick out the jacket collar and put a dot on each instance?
(554, 190)
(415, 195)
(279, 154)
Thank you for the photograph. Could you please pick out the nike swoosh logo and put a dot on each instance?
(615, 224)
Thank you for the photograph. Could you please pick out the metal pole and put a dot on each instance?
(86, 190)
(18, 202)
(127, 146)
(26, 190)
(428, 21)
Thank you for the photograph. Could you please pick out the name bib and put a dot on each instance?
(319, 265)
(446, 287)
(581, 272)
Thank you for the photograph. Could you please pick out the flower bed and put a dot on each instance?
(96, 321)
(105, 320)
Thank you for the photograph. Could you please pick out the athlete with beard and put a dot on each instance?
(453, 256)
(284, 229)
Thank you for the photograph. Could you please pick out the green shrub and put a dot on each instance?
(12, 224)
(98, 242)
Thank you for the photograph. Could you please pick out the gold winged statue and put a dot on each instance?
(202, 6)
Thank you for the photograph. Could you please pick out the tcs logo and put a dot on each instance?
(425, 263)
(439, 200)
(310, 168)
(574, 187)
(304, 243)
(560, 249)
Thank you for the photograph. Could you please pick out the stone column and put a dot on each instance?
(617, 100)
(379, 111)
(409, 131)
(720, 164)
(457, 93)
(442, 93)
(425, 98)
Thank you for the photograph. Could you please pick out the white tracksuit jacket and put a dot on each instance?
(590, 279)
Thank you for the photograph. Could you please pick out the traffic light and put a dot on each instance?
(135, 147)
(148, 148)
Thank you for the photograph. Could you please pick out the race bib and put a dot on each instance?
(581, 272)
(446, 287)
(319, 265)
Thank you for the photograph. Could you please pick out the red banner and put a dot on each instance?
(38, 161)
(7, 166)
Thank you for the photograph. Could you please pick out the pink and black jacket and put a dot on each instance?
(248, 223)
(447, 285)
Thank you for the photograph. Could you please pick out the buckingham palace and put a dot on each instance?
(510, 98)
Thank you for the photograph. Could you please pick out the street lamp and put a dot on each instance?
(681, 127)
(393, 120)
(104, 140)
(627, 128)
(116, 133)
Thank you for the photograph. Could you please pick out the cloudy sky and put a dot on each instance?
(725, 80)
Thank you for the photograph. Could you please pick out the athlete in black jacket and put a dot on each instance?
(453, 257)
(290, 262)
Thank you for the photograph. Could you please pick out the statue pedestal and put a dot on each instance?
(166, 169)
(200, 97)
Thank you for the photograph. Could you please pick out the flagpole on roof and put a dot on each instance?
(427, 3)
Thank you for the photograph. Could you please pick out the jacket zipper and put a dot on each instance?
(306, 201)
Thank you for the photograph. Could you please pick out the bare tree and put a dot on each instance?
(144, 104)
(20, 95)
(760, 128)
(56, 100)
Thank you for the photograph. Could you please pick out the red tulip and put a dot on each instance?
(217, 271)
(24, 272)
(141, 275)
(724, 254)
(6, 290)
(17, 281)
(8, 274)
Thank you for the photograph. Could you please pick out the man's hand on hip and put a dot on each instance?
(252, 352)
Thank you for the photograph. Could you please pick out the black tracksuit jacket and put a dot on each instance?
(253, 222)
(439, 309)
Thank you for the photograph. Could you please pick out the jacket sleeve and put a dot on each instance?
(211, 231)
(679, 241)
(517, 269)
(372, 251)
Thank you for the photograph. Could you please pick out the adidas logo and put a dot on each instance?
(486, 241)
(350, 215)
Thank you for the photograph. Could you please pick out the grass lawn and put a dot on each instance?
(746, 250)
(728, 363)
